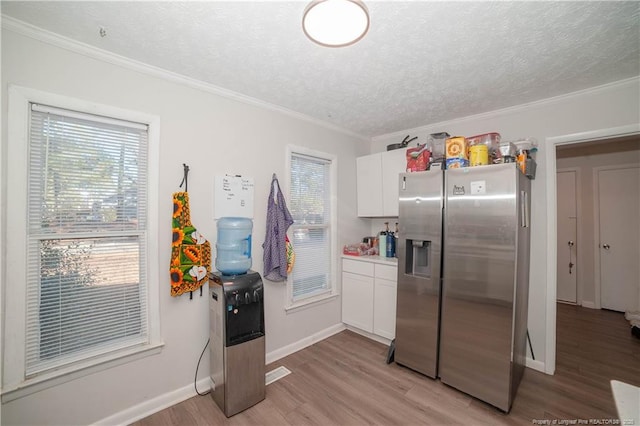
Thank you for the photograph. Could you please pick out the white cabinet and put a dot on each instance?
(357, 301)
(369, 296)
(377, 182)
(384, 301)
(369, 185)
(393, 163)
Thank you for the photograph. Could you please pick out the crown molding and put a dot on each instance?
(512, 109)
(45, 36)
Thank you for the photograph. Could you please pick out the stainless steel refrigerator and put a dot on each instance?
(463, 269)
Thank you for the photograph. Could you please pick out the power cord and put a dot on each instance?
(195, 379)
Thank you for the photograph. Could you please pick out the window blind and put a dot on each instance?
(310, 206)
(86, 237)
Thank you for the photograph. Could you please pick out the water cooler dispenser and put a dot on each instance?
(236, 315)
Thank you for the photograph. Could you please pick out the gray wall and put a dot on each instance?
(213, 135)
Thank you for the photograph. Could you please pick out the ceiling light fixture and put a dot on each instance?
(335, 23)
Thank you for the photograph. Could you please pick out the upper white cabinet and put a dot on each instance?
(369, 185)
(377, 182)
(393, 163)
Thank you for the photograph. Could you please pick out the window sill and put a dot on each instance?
(55, 378)
(310, 302)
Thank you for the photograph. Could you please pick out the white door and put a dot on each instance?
(619, 245)
(567, 237)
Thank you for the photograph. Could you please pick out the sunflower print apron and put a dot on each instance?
(190, 251)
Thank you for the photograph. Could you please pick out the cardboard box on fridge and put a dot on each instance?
(457, 147)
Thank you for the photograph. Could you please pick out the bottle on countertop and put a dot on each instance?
(391, 242)
(396, 235)
(382, 241)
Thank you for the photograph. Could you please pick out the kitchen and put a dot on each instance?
(202, 126)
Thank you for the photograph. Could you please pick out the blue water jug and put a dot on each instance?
(233, 246)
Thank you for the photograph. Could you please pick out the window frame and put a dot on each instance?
(332, 292)
(14, 384)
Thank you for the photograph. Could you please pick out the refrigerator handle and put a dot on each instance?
(524, 209)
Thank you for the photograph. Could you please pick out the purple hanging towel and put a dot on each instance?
(278, 221)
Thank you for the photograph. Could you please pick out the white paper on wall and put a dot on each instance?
(233, 196)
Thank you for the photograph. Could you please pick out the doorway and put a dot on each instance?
(584, 140)
(618, 236)
(567, 240)
(599, 183)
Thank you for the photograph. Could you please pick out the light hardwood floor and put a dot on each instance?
(344, 380)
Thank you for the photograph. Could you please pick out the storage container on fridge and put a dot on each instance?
(492, 142)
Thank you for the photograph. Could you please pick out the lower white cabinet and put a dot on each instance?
(357, 301)
(384, 308)
(369, 296)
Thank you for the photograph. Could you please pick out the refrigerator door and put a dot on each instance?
(521, 303)
(419, 260)
(481, 227)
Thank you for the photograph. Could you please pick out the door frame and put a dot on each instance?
(596, 223)
(552, 227)
(579, 239)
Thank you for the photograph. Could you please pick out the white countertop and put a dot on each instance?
(627, 399)
(392, 261)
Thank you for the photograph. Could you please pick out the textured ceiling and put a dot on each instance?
(420, 63)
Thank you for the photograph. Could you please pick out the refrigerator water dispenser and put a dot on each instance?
(418, 256)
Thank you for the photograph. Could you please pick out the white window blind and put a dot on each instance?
(86, 237)
(310, 206)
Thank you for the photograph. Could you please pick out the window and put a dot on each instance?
(311, 203)
(88, 285)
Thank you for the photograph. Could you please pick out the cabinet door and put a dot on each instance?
(393, 163)
(357, 301)
(369, 185)
(384, 319)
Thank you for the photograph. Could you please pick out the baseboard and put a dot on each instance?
(154, 405)
(303, 343)
(371, 336)
(535, 365)
(590, 305)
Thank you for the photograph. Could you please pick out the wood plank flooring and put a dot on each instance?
(344, 380)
